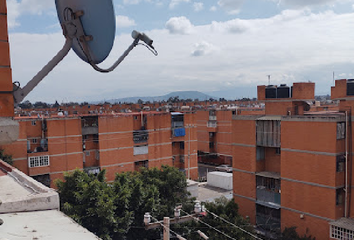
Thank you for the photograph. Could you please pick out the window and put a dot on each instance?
(33, 123)
(260, 155)
(140, 164)
(277, 151)
(181, 145)
(38, 161)
(339, 196)
(340, 130)
(340, 163)
(341, 233)
(34, 140)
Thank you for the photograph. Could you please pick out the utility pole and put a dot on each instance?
(177, 219)
(166, 229)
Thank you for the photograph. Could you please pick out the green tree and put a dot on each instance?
(26, 105)
(227, 210)
(89, 200)
(291, 234)
(6, 157)
(116, 211)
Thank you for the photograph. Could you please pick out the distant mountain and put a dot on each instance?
(180, 94)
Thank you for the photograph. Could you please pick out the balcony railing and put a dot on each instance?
(177, 124)
(212, 124)
(140, 136)
(267, 222)
(89, 130)
(212, 118)
(266, 195)
(140, 150)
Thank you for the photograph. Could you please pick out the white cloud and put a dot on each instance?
(231, 6)
(307, 3)
(36, 6)
(124, 21)
(202, 48)
(213, 8)
(198, 6)
(13, 12)
(292, 46)
(174, 3)
(179, 25)
(131, 2)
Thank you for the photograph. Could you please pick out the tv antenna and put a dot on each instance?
(89, 29)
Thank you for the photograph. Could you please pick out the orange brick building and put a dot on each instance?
(49, 146)
(289, 165)
(215, 131)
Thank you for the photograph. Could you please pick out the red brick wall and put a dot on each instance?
(6, 100)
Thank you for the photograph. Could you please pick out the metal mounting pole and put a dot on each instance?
(21, 93)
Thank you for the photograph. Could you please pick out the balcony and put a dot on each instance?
(267, 222)
(88, 130)
(141, 150)
(89, 125)
(140, 136)
(268, 188)
(266, 195)
(177, 124)
(212, 118)
(212, 124)
(268, 133)
(178, 132)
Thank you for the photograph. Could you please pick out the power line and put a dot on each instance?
(215, 229)
(254, 236)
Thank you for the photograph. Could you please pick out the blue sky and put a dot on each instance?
(221, 47)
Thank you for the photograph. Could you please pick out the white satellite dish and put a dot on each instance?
(89, 29)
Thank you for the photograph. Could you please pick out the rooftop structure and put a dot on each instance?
(30, 210)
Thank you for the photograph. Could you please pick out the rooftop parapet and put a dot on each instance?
(21, 193)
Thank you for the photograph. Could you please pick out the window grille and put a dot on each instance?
(341, 233)
(38, 161)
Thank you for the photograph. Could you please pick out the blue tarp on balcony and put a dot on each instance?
(179, 132)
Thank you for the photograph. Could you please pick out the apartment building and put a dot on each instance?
(49, 146)
(214, 136)
(289, 165)
(215, 131)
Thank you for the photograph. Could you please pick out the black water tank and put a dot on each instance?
(271, 91)
(350, 87)
(283, 91)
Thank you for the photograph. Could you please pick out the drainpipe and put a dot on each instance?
(346, 166)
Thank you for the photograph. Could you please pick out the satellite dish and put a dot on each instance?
(89, 29)
(98, 21)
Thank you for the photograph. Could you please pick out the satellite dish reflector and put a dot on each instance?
(98, 23)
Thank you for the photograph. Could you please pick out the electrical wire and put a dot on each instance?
(239, 228)
(149, 48)
(215, 229)
(167, 229)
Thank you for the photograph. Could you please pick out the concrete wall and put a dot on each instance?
(220, 179)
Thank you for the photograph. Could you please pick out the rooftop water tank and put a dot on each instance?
(283, 91)
(350, 87)
(271, 91)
